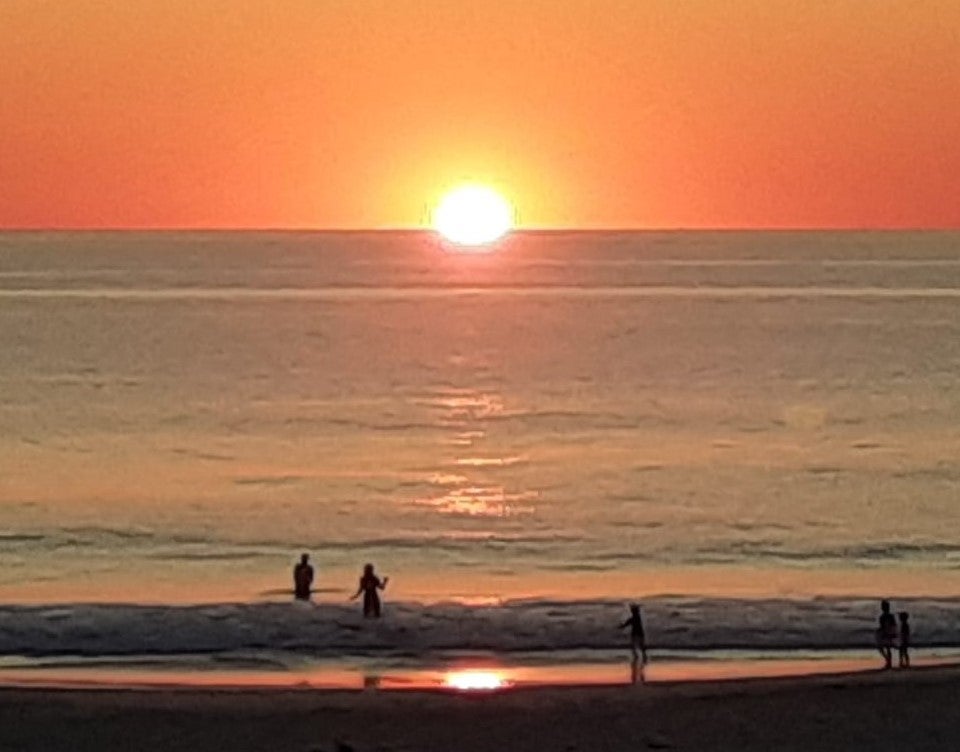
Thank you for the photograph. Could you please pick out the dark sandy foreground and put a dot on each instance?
(911, 710)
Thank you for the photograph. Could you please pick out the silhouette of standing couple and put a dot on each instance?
(890, 636)
(369, 586)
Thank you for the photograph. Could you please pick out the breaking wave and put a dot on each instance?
(416, 630)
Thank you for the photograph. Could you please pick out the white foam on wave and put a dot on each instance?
(415, 630)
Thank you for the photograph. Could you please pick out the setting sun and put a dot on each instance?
(473, 215)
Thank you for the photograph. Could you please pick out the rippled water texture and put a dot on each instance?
(575, 415)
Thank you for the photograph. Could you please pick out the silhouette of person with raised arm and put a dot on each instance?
(369, 585)
(302, 578)
(638, 640)
(886, 634)
(904, 639)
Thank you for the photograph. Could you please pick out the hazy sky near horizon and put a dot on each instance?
(586, 113)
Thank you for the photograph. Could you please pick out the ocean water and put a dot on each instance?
(756, 433)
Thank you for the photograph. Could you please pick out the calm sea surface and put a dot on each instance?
(583, 415)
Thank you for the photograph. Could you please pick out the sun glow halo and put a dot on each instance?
(473, 215)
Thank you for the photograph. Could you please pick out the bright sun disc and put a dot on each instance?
(473, 215)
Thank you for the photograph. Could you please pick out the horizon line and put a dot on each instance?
(546, 230)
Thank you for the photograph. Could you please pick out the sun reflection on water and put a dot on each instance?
(474, 680)
(465, 438)
(481, 501)
(487, 461)
(467, 485)
(462, 408)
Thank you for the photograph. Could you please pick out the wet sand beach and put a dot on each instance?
(875, 710)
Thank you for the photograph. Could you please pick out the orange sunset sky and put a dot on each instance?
(586, 113)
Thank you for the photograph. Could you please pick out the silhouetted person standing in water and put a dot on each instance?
(369, 585)
(904, 639)
(638, 640)
(302, 578)
(886, 634)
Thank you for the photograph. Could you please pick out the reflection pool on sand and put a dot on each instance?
(458, 674)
